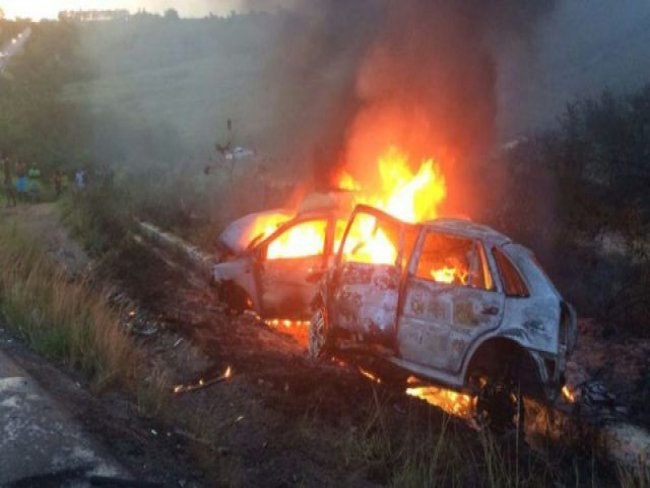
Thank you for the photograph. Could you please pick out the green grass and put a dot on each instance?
(59, 318)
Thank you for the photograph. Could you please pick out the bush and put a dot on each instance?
(578, 196)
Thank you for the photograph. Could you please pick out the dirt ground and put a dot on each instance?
(280, 420)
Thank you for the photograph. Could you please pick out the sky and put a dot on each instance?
(38, 9)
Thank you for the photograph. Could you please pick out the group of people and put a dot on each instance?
(27, 183)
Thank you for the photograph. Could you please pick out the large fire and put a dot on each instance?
(404, 194)
(408, 195)
(306, 239)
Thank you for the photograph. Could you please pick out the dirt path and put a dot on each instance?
(42, 222)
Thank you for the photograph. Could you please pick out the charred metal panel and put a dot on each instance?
(533, 322)
(285, 289)
(240, 272)
(365, 301)
(439, 322)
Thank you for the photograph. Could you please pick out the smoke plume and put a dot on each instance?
(424, 80)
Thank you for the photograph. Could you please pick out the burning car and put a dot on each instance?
(449, 301)
(272, 261)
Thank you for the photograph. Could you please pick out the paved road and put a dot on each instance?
(40, 444)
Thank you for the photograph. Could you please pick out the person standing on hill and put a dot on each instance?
(10, 191)
(21, 180)
(34, 176)
(80, 179)
(57, 181)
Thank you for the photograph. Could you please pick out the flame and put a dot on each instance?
(406, 195)
(307, 239)
(265, 225)
(370, 376)
(452, 402)
(347, 182)
(367, 243)
(410, 196)
(568, 394)
(450, 275)
(286, 323)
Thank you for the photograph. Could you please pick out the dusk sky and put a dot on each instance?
(37, 9)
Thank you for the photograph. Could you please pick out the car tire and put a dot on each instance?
(500, 405)
(320, 337)
(233, 297)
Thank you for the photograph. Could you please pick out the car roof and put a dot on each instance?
(469, 229)
(461, 227)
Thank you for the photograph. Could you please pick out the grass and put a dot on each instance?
(423, 447)
(59, 318)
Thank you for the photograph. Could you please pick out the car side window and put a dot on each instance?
(302, 240)
(372, 240)
(513, 284)
(453, 260)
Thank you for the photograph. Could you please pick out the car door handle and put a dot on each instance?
(490, 310)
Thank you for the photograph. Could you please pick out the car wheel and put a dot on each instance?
(320, 340)
(233, 297)
(500, 406)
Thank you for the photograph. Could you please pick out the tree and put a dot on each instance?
(172, 14)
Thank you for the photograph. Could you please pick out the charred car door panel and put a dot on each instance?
(449, 301)
(368, 278)
(286, 265)
(366, 301)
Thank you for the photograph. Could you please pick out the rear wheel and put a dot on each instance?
(500, 405)
(320, 337)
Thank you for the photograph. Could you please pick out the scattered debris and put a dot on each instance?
(193, 438)
(203, 383)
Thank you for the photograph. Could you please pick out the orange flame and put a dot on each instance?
(265, 225)
(347, 182)
(303, 240)
(452, 402)
(370, 376)
(568, 394)
(409, 196)
(450, 275)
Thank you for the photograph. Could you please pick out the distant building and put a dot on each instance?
(94, 15)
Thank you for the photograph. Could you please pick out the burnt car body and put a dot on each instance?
(502, 319)
(280, 286)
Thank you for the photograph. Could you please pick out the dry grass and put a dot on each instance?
(414, 450)
(60, 318)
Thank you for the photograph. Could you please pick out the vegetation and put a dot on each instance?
(579, 195)
(424, 448)
(61, 319)
(36, 125)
